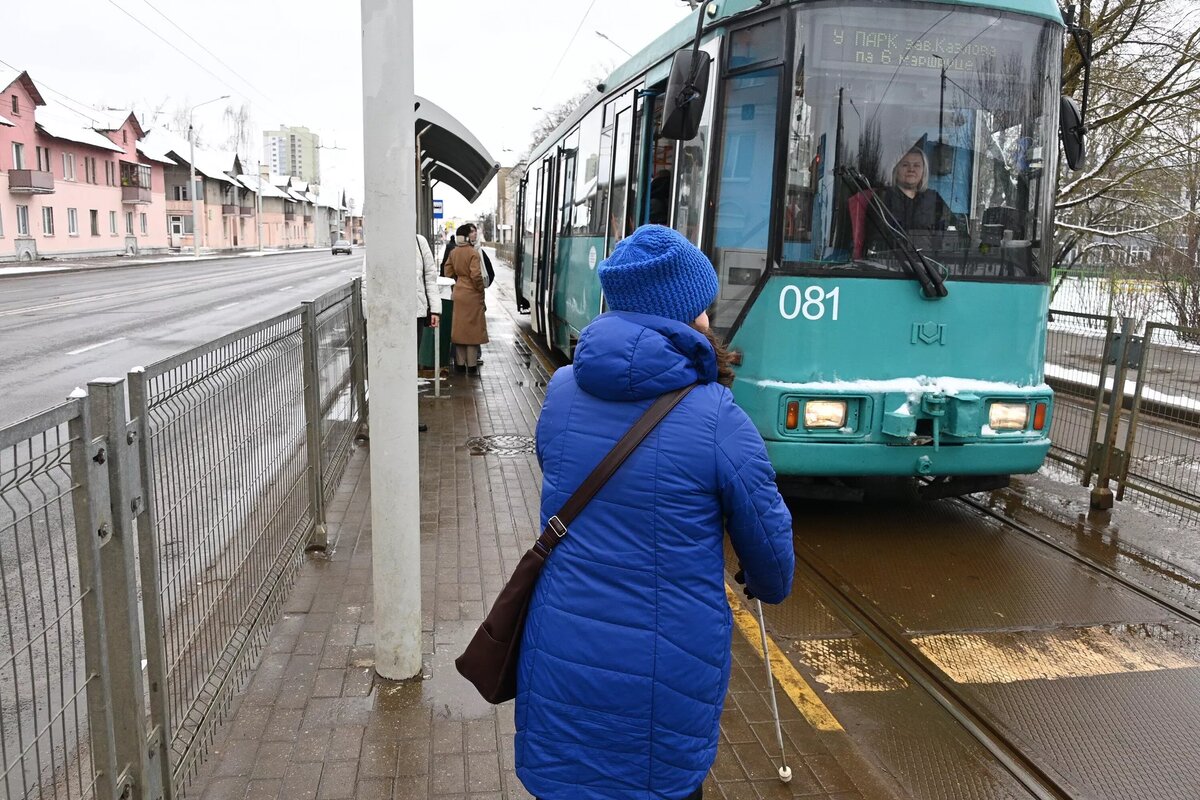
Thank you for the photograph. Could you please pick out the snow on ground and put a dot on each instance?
(28, 270)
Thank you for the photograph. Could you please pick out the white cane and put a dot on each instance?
(785, 772)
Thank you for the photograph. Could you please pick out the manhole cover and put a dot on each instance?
(501, 445)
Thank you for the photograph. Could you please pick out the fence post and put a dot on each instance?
(1135, 410)
(135, 753)
(1102, 496)
(312, 424)
(358, 345)
(1097, 405)
(93, 530)
(148, 561)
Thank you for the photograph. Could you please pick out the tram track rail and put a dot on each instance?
(1032, 770)
(1186, 612)
(1040, 779)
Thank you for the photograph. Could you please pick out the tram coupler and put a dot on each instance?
(958, 485)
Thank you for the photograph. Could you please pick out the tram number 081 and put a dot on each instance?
(813, 303)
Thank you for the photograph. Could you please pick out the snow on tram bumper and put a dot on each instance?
(903, 426)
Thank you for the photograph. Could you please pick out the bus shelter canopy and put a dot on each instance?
(450, 154)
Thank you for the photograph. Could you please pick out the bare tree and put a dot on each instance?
(487, 225)
(1177, 254)
(1144, 80)
(552, 119)
(240, 126)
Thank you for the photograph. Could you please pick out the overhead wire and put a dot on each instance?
(206, 50)
(88, 111)
(175, 47)
(566, 50)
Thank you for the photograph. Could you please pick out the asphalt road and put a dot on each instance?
(58, 331)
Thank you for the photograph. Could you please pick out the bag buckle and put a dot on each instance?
(555, 524)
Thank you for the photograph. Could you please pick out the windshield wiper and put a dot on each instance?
(933, 283)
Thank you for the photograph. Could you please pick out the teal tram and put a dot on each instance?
(873, 182)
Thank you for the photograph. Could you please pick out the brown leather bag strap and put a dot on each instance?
(556, 526)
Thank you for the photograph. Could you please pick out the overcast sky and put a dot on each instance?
(299, 62)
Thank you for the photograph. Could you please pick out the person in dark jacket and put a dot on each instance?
(625, 655)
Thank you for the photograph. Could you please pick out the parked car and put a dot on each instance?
(341, 246)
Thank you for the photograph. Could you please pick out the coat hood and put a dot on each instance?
(626, 356)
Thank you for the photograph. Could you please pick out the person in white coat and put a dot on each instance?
(427, 302)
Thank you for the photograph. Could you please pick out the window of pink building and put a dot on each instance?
(16, 106)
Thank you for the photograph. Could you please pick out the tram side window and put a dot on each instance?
(566, 183)
(584, 219)
(637, 195)
(538, 224)
(620, 222)
(662, 165)
(743, 194)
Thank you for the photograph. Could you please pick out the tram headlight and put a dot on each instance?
(1008, 416)
(825, 413)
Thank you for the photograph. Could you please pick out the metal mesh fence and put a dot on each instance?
(44, 681)
(336, 362)
(1077, 371)
(221, 469)
(231, 512)
(1162, 444)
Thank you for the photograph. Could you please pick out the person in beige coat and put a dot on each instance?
(469, 329)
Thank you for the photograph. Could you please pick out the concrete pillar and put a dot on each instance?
(389, 140)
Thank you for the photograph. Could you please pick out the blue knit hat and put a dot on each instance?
(655, 270)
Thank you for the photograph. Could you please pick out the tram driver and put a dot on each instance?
(909, 203)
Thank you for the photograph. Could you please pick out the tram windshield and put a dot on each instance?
(930, 122)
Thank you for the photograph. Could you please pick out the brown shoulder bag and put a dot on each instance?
(490, 660)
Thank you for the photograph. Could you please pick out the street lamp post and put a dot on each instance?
(197, 226)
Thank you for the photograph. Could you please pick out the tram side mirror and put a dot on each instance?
(1071, 130)
(683, 103)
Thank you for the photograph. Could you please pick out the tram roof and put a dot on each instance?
(457, 158)
(681, 33)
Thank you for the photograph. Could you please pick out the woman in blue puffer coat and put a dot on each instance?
(626, 650)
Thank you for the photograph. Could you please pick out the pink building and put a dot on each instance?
(70, 185)
(276, 227)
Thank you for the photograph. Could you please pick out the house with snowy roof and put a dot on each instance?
(73, 181)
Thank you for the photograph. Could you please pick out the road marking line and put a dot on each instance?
(95, 346)
(797, 689)
(284, 289)
(228, 305)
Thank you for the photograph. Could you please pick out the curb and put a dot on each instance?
(140, 264)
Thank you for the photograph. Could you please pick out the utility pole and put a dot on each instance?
(197, 223)
(389, 140)
(258, 207)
